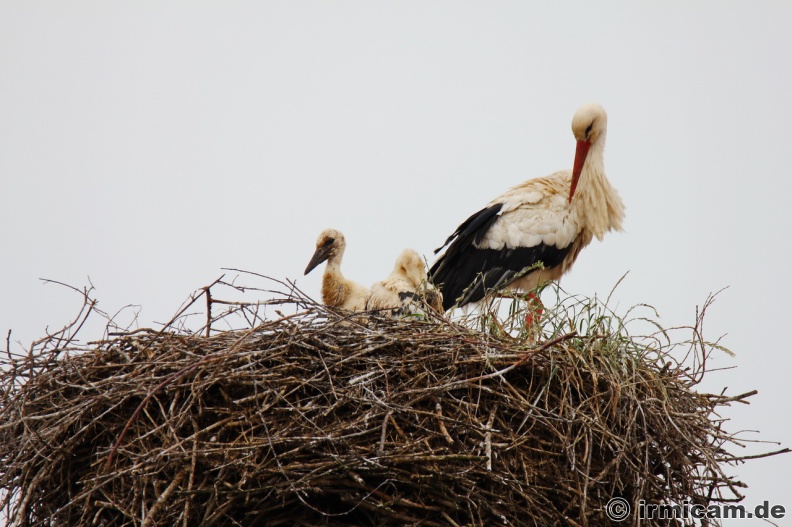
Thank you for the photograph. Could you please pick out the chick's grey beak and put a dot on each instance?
(318, 257)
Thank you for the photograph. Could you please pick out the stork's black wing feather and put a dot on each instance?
(474, 228)
(466, 273)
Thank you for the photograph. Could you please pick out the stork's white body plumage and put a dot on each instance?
(534, 232)
(406, 290)
(337, 290)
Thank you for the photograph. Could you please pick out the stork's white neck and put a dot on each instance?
(598, 204)
(336, 256)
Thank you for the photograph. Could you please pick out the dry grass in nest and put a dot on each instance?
(313, 418)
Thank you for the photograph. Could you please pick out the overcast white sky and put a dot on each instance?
(147, 145)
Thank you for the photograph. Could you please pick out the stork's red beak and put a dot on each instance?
(580, 157)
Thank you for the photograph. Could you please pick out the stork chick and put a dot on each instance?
(406, 290)
(534, 232)
(337, 291)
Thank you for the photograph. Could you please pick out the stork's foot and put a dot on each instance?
(535, 311)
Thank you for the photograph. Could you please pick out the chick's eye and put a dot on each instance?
(328, 242)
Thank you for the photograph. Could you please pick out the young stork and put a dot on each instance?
(406, 290)
(337, 291)
(533, 233)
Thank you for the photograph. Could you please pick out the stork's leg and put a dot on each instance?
(535, 310)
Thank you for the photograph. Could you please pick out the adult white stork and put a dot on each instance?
(337, 291)
(406, 290)
(533, 233)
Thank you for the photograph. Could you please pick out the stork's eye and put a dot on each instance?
(328, 242)
(588, 130)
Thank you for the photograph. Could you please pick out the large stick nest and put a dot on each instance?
(315, 418)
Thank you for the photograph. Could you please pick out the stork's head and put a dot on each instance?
(589, 125)
(329, 245)
(411, 266)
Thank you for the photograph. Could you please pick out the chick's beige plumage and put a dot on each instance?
(337, 290)
(406, 290)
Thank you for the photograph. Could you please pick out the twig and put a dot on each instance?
(441, 424)
(488, 439)
(208, 294)
(381, 449)
(526, 356)
(758, 456)
(152, 514)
